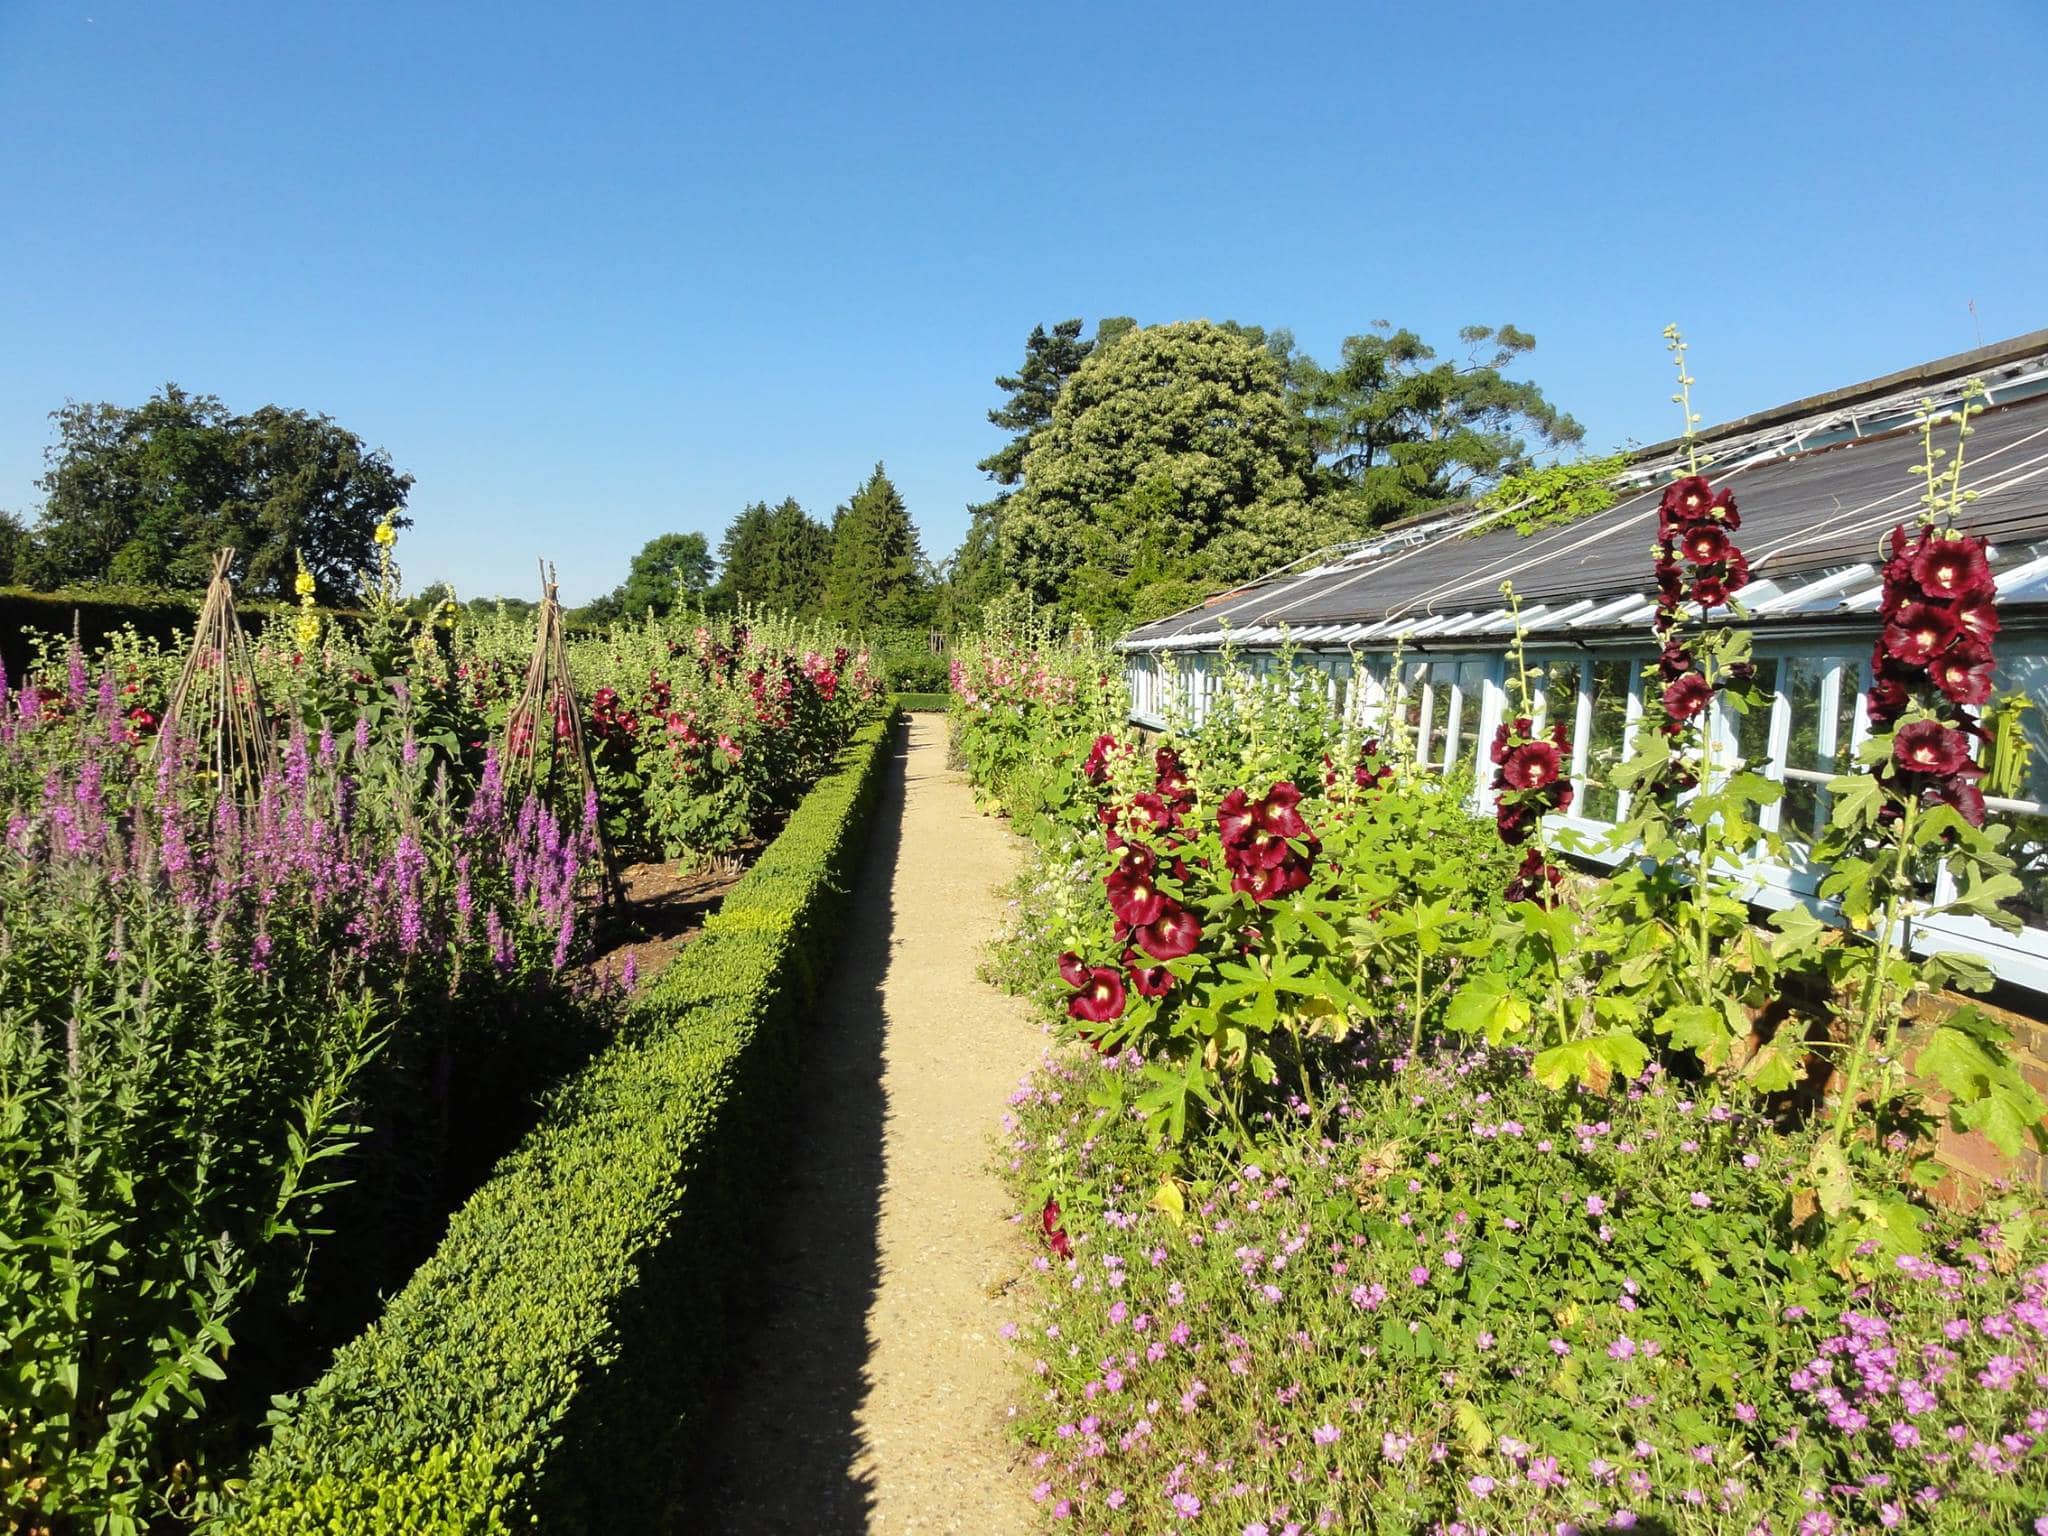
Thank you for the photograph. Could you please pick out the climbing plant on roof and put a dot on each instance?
(1553, 495)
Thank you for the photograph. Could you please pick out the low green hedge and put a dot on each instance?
(937, 701)
(564, 1338)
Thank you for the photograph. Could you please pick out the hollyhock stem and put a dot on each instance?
(1415, 1022)
(1877, 986)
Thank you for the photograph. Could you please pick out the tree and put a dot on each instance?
(875, 576)
(1173, 461)
(670, 568)
(146, 495)
(1396, 431)
(14, 548)
(774, 558)
(1050, 359)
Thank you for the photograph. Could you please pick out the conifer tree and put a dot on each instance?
(876, 576)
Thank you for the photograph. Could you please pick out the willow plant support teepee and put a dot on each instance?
(216, 709)
(544, 747)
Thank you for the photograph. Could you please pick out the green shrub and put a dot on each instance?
(568, 1329)
(440, 1492)
(918, 701)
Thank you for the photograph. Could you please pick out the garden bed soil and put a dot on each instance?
(662, 907)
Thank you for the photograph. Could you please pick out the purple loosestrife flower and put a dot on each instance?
(79, 687)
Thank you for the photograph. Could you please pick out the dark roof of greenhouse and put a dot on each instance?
(1819, 485)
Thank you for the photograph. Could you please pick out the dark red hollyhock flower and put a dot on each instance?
(1055, 1234)
(1532, 765)
(1888, 691)
(1072, 971)
(1371, 778)
(1928, 746)
(1534, 880)
(1518, 729)
(1686, 696)
(1095, 768)
(1959, 792)
(1105, 816)
(1270, 883)
(1174, 933)
(1174, 787)
(1918, 632)
(1236, 819)
(1149, 810)
(1101, 999)
(1278, 814)
(1704, 544)
(1688, 498)
(1964, 675)
(1674, 661)
(1722, 510)
(1149, 980)
(1133, 894)
(1952, 568)
(141, 722)
(1977, 617)
(1514, 821)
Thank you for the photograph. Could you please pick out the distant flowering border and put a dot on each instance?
(566, 1334)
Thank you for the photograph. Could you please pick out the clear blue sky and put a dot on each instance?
(596, 272)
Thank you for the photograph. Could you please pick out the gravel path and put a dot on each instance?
(870, 1383)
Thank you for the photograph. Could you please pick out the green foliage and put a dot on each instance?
(1171, 452)
(568, 1329)
(774, 559)
(671, 570)
(1396, 430)
(1554, 495)
(146, 495)
(228, 1031)
(876, 573)
(14, 548)
(446, 1491)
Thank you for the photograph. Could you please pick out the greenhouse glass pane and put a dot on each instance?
(1610, 680)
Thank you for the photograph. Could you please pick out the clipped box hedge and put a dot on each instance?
(558, 1349)
(921, 701)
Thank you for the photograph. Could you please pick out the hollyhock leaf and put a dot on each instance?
(1773, 1068)
(1574, 1061)
(1168, 1200)
(1486, 1005)
(1828, 1168)
(1696, 1028)
(1959, 970)
(1854, 799)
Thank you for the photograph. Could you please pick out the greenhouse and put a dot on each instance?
(1821, 481)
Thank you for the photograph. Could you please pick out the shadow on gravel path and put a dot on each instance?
(868, 1385)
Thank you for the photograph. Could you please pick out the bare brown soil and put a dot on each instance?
(663, 907)
(870, 1387)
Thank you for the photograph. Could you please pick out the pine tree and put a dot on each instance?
(1050, 359)
(774, 558)
(876, 575)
